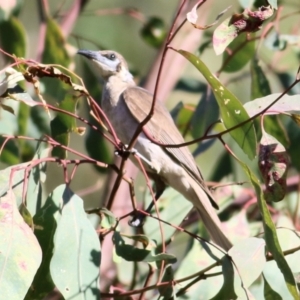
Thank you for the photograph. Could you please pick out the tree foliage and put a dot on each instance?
(244, 71)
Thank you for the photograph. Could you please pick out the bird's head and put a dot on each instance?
(108, 63)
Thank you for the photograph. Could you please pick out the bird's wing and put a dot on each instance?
(163, 129)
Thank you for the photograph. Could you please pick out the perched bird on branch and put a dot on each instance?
(126, 106)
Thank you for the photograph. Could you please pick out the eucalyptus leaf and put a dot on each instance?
(21, 254)
(232, 111)
(75, 263)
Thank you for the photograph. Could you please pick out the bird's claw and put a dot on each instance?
(138, 219)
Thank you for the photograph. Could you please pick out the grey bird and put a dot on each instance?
(126, 105)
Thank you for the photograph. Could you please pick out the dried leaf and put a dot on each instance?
(192, 16)
(248, 21)
(273, 165)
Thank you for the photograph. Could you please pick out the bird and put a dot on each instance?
(126, 105)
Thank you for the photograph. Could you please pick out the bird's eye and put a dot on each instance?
(112, 56)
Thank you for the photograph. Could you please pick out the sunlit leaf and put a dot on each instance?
(75, 263)
(248, 21)
(197, 257)
(20, 252)
(8, 8)
(10, 81)
(249, 258)
(246, 3)
(168, 212)
(232, 111)
(286, 103)
(273, 3)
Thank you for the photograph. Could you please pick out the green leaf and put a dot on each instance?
(54, 49)
(25, 147)
(108, 219)
(269, 293)
(224, 167)
(166, 292)
(197, 257)
(227, 290)
(40, 119)
(45, 221)
(24, 212)
(76, 258)
(232, 111)
(13, 37)
(20, 252)
(97, 148)
(274, 126)
(23, 117)
(271, 238)
(206, 113)
(191, 85)
(132, 253)
(10, 152)
(62, 125)
(55, 53)
(36, 177)
(260, 86)
(249, 258)
(169, 212)
(294, 135)
(154, 32)
(239, 53)
(7, 108)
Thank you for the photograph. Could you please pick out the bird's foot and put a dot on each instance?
(125, 152)
(138, 219)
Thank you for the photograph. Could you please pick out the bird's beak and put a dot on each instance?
(93, 55)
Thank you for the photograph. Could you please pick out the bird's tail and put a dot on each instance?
(209, 216)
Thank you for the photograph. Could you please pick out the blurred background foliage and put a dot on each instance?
(50, 32)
